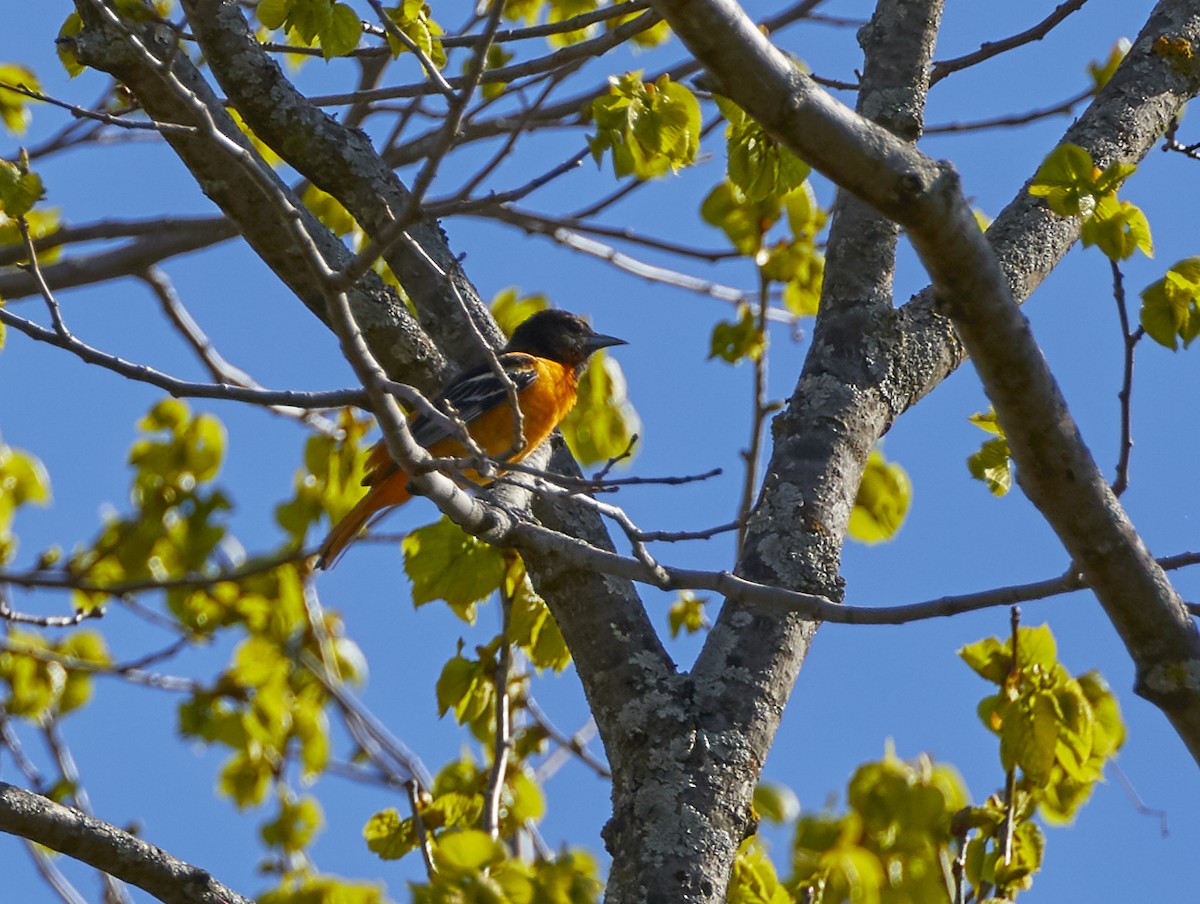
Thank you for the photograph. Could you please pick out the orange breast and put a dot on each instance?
(544, 404)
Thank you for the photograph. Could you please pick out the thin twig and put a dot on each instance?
(431, 69)
(574, 744)
(943, 68)
(1064, 108)
(423, 840)
(105, 118)
(182, 388)
(759, 408)
(1136, 799)
(221, 370)
(7, 613)
(503, 740)
(1010, 778)
(588, 49)
(1129, 341)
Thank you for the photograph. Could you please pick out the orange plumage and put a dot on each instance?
(544, 359)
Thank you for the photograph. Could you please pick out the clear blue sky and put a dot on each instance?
(860, 685)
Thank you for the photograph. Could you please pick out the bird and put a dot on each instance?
(544, 359)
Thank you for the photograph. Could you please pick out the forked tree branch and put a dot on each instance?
(1056, 470)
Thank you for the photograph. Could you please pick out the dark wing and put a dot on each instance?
(475, 392)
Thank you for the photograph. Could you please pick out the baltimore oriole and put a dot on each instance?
(544, 359)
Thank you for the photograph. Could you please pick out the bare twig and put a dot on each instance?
(46, 621)
(574, 744)
(423, 840)
(105, 118)
(545, 224)
(1010, 777)
(1136, 799)
(221, 370)
(503, 740)
(177, 387)
(1129, 341)
(990, 49)
(584, 50)
(1064, 108)
(759, 409)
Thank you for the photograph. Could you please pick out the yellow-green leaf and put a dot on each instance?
(445, 563)
(20, 189)
(14, 107)
(687, 613)
(881, 506)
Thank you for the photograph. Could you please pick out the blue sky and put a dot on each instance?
(860, 685)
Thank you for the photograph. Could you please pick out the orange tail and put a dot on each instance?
(390, 492)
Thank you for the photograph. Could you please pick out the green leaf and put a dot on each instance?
(1171, 306)
(64, 47)
(304, 888)
(1109, 727)
(758, 164)
(733, 341)
(445, 563)
(992, 464)
(1029, 737)
(413, 18)
(651, 129)
(603, 422)
(468, 851)
(20, 189)
(523, 799)
(882, 503)
(14, 107)
(293, 828)
(465, 686)
(1036, 648)
(342, 34)
(775, 802)
(743, 221)
(754, 880)
(531, 627)
(990, 658)
(1101, 72)
(273, 13)
(510, 309)
(1067, 180)
(246, 779)
(1118, 228)
(687, 613)
(389, 836)
(1029, 845)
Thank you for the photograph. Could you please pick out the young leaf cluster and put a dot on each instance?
(1057, 730)
(333, 26)
(650, 128)
(907, 824)
(992, 464)
(1074, 187)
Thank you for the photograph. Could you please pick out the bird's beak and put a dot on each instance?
(597, 341)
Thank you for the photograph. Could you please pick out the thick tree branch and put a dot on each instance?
(1056, 470)
(109, 849)
(342, 162)
(170, 89)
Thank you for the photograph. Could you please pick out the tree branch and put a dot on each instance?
(109, 849)
(1056, 471)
